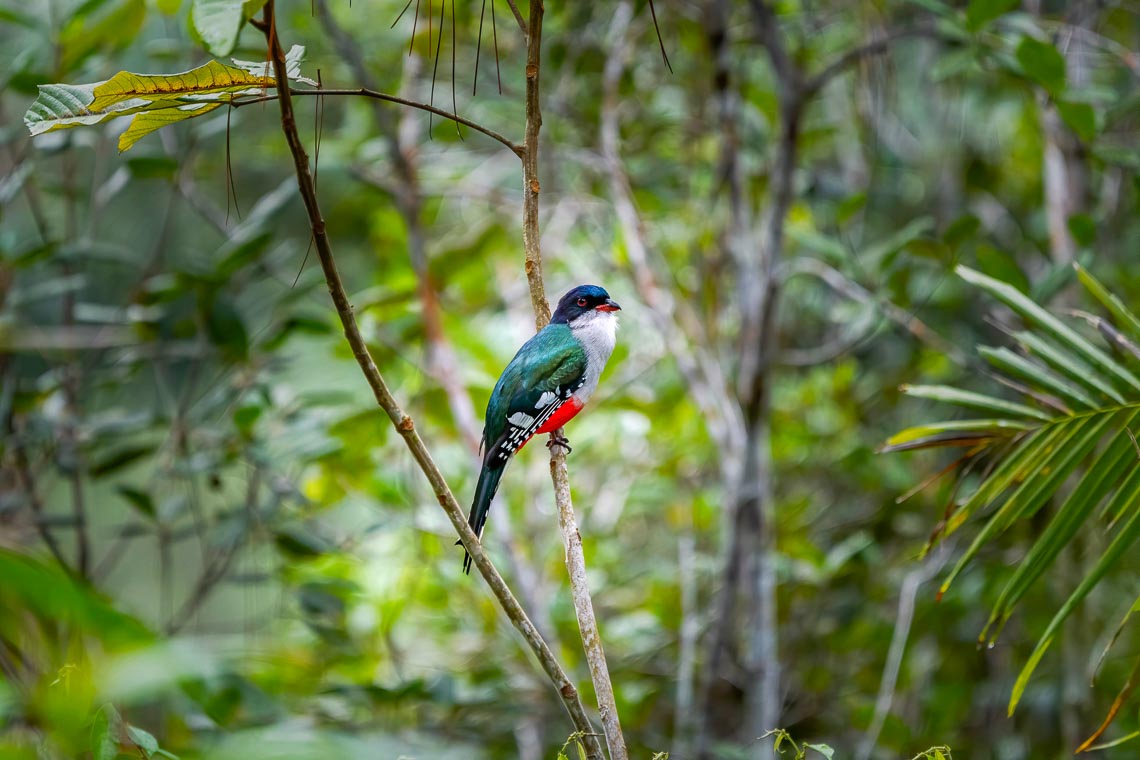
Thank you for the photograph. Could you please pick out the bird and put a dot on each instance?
(543, 387)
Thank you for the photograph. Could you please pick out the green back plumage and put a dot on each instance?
(552, 359)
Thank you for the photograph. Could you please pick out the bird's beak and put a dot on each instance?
(609, 305)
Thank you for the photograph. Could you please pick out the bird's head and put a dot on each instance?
(584, 303)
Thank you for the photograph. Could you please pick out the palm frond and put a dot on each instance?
(1077, 450)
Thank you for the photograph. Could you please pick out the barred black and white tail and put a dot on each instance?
(489, 478)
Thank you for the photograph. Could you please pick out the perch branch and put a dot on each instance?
(571, 538)
(403, 423)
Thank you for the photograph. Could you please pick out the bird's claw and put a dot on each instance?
(560, 441)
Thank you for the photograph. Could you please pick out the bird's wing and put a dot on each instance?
(543, 375)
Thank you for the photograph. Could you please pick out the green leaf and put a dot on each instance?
(138, 499)
(1053, 460)
(960, 230)
(1083, 229)
(1080, 117)
(105, 733)
(953, 395)
(981, 12)
(1042, 63)
(119, 458)
(218, 24)
(1102, 475)
(1033, 313)
(1128, 494)
(1001, 266)
(226, 329)
(1125, 319)
(1020, 367)
(822, 749)
(1012, 469)
(143, 740)
(942, 433)
(152, 100)
(1067, 363)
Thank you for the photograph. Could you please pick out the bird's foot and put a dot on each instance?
(560, 441)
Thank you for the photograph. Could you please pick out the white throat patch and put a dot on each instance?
(597, 331)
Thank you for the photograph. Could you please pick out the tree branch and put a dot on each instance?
(855, 55)
(571, 538)
(366, 93)
(837, 281)
(403, 423)
(519, 18)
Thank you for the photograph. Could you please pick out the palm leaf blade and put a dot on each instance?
(1050, 470)
(1129, 493)
(1031, 312)
(1019, 366)
(952, 395)
(1100, 478)
(1125, 319)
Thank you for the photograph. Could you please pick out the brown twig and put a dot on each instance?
(366, 93)
(571, 538)
(27, 483)
(518, 18)
(402, 422)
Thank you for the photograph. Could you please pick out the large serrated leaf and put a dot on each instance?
(218, 23)
(152, 100)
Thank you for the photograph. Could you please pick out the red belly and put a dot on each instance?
(561, 416)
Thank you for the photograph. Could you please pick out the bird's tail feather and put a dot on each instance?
(484, 492)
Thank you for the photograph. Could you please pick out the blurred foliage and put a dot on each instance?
(214, 547)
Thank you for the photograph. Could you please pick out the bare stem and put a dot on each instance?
(571, 538)
(403, 423)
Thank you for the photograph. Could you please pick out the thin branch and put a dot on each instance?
(855, 55)
(366, 93)
(402, 422)
(518, 18)
(841, 284)
(27, 483)
(907, 593)
(571, 538)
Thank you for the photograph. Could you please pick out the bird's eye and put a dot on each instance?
(582, 302)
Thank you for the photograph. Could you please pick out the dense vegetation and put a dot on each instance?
(823, 222)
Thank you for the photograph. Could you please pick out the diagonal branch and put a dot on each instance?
(519, 18)
(855, 55)
(366, 93)
(572, 539)
(403, 423)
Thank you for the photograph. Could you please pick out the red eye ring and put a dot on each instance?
(582, 302)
